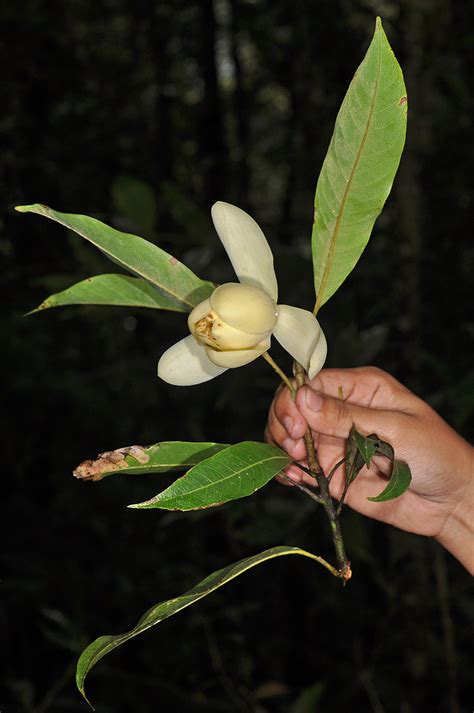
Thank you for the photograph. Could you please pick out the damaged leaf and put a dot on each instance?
(159, 458)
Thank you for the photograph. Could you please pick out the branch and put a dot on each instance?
(323, 482)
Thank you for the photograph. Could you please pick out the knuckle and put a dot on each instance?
(376, 373)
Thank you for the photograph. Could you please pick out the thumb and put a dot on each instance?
(334, 417)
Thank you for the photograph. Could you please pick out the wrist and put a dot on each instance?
(457, 533)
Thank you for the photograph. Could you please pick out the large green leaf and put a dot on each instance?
(105, 644)
(360, 166)
(176, 282)
(138, 460)
(117, 290)
(235, 472)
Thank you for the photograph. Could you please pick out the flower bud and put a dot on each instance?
(235, 317)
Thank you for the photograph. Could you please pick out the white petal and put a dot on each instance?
(298, 332)
(318, 357)
(186, 363)
(246, 247)
(239, 357)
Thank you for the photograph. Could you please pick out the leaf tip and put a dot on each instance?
(40, 308)
(33, 208)
(81, 689)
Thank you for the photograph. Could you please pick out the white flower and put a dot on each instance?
(234, 325)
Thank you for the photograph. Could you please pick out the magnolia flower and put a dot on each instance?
(235, 324)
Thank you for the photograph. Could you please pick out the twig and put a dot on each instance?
(334, 468)
(280, 373)
(303, 488)
(328, 504)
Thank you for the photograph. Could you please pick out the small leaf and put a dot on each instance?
(384, 449)
(366, 445)
(235, 472)
(136, 460)
(399, 482)
(360, 166)
(354, 458)
(105, 644)
(114, 290)
(176, 282)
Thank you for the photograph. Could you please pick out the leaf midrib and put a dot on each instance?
(340, 215)
(265, 557)
(222, 480)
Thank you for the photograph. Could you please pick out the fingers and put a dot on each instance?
(278, 434)
(343, 390)
(285, 416)
(366, 386)
(334, 417)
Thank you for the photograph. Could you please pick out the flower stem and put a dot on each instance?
(280, 373)
(327, 501)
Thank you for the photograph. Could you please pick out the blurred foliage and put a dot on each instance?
(109, 106)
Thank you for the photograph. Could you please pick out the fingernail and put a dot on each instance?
(313, 400)
(288, 423)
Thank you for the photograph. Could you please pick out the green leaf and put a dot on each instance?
(137, 460)
(176, 282)
(116, 290)
(399, 482)
(235, 472)
(105, 644)
(366, 445)
(354, 459)
(383, 448)
(135, 200)
(360, 166)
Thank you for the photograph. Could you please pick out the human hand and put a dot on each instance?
(440, 500)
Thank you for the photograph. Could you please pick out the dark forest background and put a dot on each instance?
(142, 114)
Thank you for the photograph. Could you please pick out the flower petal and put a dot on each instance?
(239, 357)
(318, 357)
(246, 246)
(298, 332)
(186, 363)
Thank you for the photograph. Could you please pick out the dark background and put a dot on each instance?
(232, 100)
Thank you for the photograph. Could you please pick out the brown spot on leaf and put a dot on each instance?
(403, 101)
(173, 261)
(108, 462)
